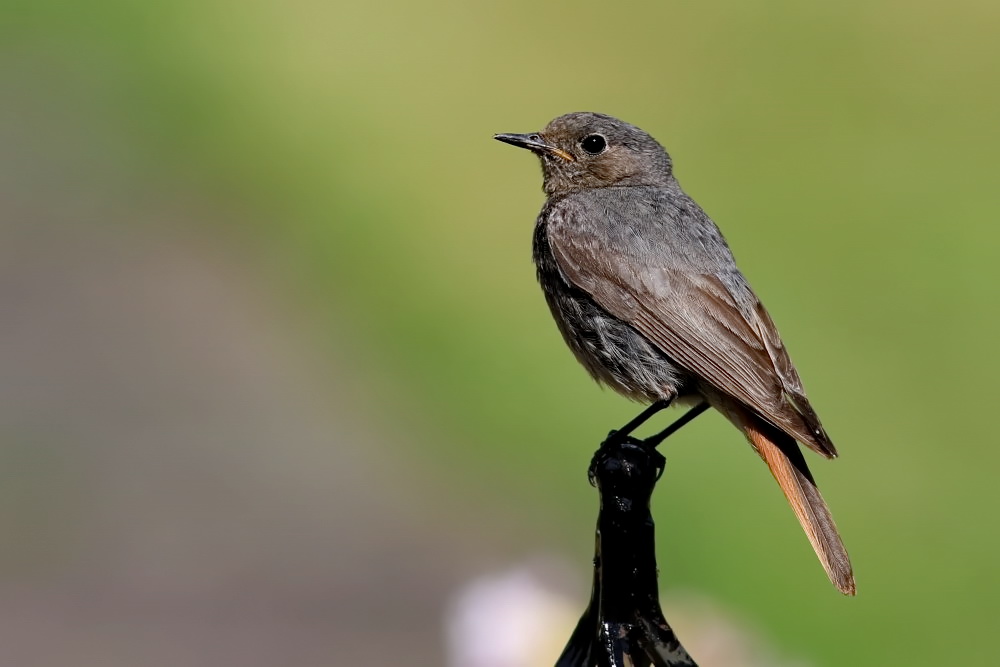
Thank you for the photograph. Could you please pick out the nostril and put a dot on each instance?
(535, 137)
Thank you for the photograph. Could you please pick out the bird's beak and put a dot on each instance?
(535, 143)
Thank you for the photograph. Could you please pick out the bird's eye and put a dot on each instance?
(593, 143)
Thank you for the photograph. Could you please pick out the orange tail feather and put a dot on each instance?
(784, 458)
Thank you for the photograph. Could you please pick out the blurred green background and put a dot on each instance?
(278, 379)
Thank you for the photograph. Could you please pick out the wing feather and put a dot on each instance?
(692, 314)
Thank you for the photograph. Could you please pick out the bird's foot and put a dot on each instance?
(622, 438)
(614, 451)
(611, 450)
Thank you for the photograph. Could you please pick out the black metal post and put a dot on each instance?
(623, 625)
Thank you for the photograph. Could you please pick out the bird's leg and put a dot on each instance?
(688, 416)
(641, 419)
(622, 435)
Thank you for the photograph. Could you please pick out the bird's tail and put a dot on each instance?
(782, 455)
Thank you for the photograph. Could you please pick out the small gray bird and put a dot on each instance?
(646, 293)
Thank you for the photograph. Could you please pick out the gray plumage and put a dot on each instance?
(648, 297)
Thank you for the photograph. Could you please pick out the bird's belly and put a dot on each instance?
(611, 350)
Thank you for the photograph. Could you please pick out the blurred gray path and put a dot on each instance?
(181, 481)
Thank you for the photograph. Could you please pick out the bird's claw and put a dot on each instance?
(613, 444)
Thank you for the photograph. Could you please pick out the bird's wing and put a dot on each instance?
(694, 317)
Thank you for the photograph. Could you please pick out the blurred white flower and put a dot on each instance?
(518, 618)
(510, 619)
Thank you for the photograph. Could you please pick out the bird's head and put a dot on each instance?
(590, 150)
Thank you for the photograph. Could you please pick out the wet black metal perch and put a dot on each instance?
(623, 625)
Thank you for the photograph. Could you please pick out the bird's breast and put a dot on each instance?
(610, 349)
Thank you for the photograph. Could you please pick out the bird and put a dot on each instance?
(646, 293)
